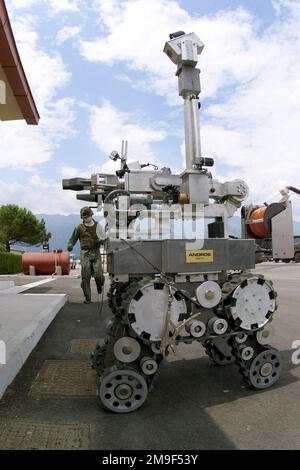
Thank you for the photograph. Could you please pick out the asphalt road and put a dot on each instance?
(194, 405)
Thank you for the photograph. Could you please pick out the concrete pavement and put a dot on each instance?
(194, 405)
(23, 321)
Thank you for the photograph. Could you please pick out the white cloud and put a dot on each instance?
(124, 78)
(257, 127)
(68, 171)
(137, 30)
(109, 126)
(281, 5)
(66, 33)
(25, 147)
(58, 6)
(40, 196)
(46, 72)
(252, 73)
(54, 6)
(131, 37)
(22, 148)
(19, 4)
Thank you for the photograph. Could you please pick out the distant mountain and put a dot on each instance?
(62, 226)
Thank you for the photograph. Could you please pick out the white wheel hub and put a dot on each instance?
(253, 302)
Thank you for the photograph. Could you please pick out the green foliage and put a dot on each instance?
(20, 226)
(2, 247)
(10, 263)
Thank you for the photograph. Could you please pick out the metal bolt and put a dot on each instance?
(126, 350)
(266, 369)
(209, 294)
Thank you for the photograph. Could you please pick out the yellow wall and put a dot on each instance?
(10, 110)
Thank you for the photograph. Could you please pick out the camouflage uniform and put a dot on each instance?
(89, 255)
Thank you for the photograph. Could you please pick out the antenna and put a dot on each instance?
(124, 152)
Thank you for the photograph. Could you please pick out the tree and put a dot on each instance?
(20, 226)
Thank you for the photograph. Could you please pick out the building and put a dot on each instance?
(16, 100)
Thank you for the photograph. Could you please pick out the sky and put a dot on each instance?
(99, 75)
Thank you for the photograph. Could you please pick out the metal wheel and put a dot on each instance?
(297, 257)
(122, 390)
(127, 349)
(217, 356)
(219, 359)
(265, 369)
(98, 355)
(241, 338)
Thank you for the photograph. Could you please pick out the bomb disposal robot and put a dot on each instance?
(167, 291)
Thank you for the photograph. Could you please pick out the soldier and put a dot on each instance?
(91, 235)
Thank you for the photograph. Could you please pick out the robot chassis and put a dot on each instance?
(162, 293)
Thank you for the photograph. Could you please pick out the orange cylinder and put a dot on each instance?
(259, 229)
(45, 263)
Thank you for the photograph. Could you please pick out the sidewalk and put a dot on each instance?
(23, 320)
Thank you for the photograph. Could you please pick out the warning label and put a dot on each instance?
(200, 256)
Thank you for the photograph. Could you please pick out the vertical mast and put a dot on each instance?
(183, 49)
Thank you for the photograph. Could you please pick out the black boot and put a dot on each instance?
(99, 286)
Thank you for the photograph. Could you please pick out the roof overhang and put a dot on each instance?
(16, 100)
